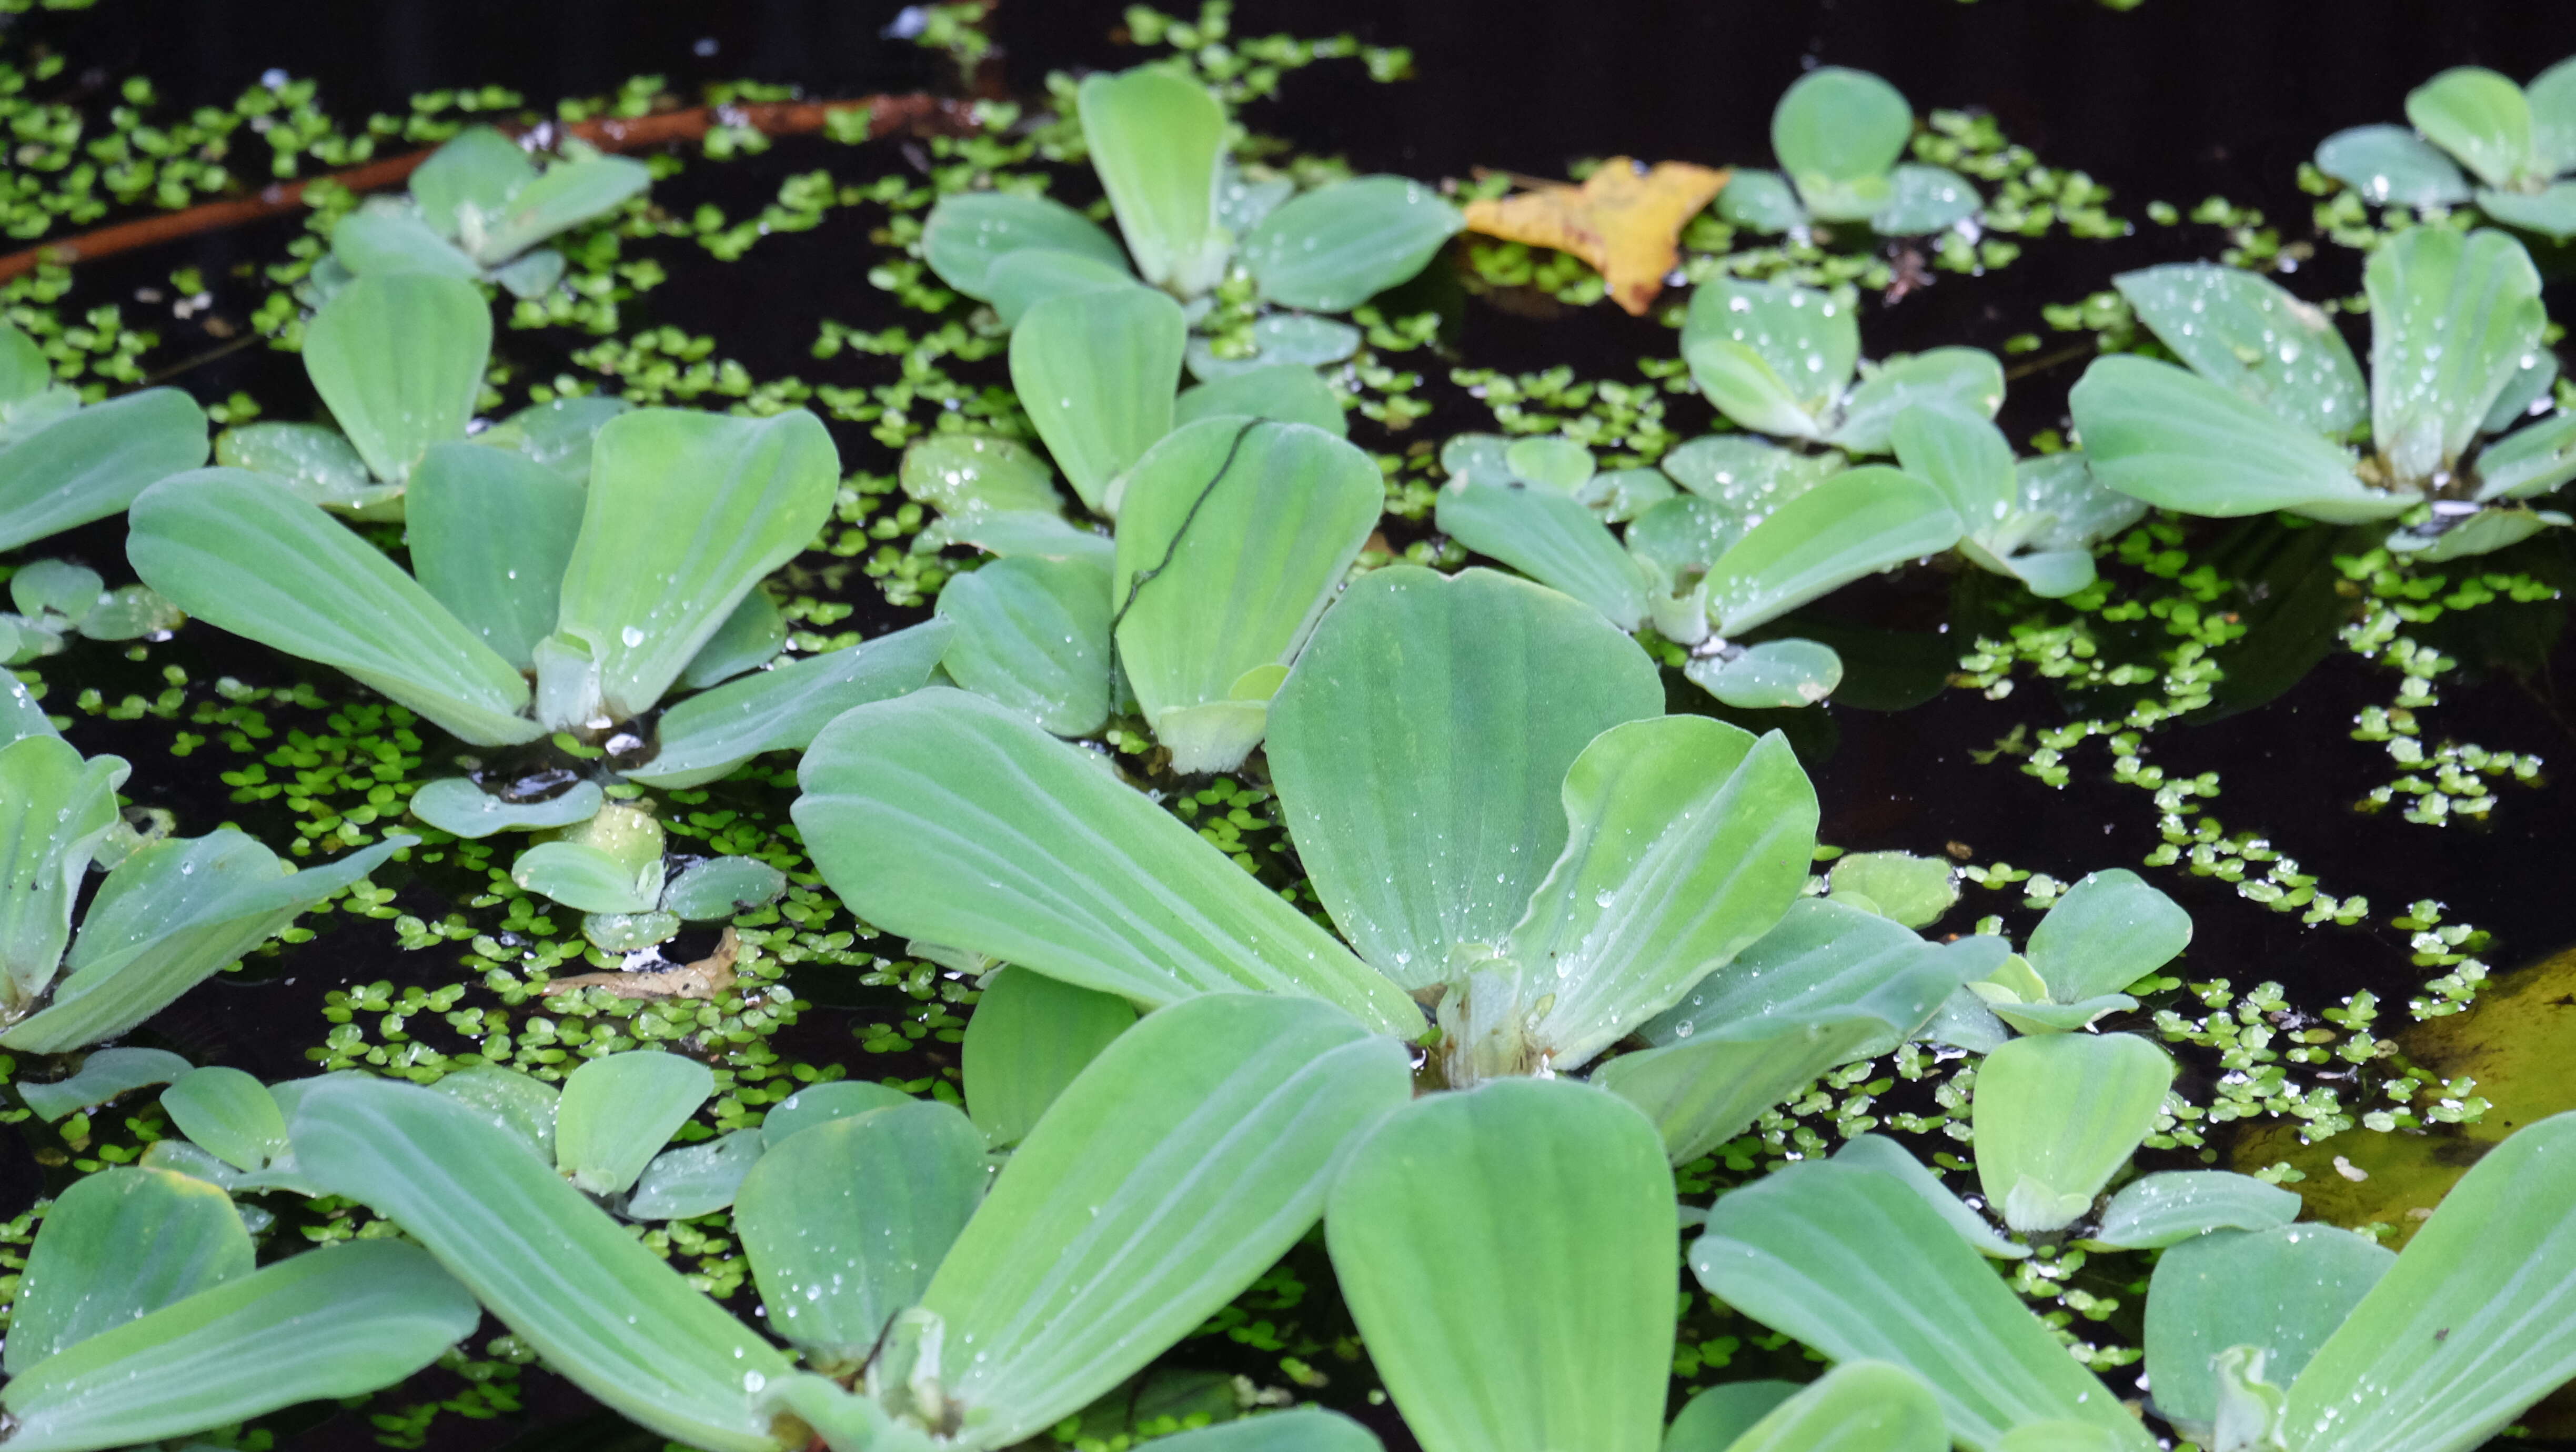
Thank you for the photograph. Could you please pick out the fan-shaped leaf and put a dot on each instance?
(54, 809)
(2452, 318)
(491, 533)
(1027, 1039)
(455, 804)
(969, 231)
(117, 1244)
(1771, 356)
(389, 236)
(2179, 441)
(1967, 381)
(1773, 675)
(102, 1076)
(1760, 200)
(2171, 1206)
(780, 709)
(1343, 243)
(567, 195)
(1855, 523)
(89, 463)
(399, 359)
(1550, 538)
(230, 1113)
(1924, 199)
(1157, 140)
(694, 1180)
(1019, 281)
(2107, 932)
(1033, 634)
(2284, 1290)
(2392, 166)
(2252, 338)
(2057, 1115)
(1289, 392)
(1836, 131)
(617, 1113)
(1096, 371)
(2477, 116)
(479, 168)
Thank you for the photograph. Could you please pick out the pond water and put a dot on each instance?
(2172, 101)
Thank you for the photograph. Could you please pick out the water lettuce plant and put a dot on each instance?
(57, 599)
(1780, 359)
(2519, 142)
(65, 463)
(2265, 416)
(478, 210)
(2264, 1336)
(1840, 136)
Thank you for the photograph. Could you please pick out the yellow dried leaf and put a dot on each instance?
(1626, 220)
(705, 978)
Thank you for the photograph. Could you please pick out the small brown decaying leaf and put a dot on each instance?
(1626, 219)
(705, 978)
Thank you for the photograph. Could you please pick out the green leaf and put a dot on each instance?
(1618, 495)
(947, 817)
(2471, 1325)
(966, 475)
(24, 371)
(1835, 128)
(478, 168)
(1550, 538)
(517, 1103)
(1887, 1157)
(618, 1111)
(686, 513)
(1856, 1265)
(2064, 507)
(2171, 1206)
(1906, 889)
(2529, 461)
(318, 463)
(969, 231)
(1232, 537)
(230, 1113)
(455, 804)
(1771, 675)
(558, 434)
(1157, 140)
(2525, 395)
(337, 1322)
(2179, 441)
(588, 879)
(1968, 381)
(845, 1223)
(1033, 634)
(1278, 338)
(2479, 117)
(388, 236)
(57, 585)
(2552, 98)
(575, 1285)
(1686, 840)
(1760, 200)
(1924, 199)
(2252, 338)
(1771, 356)
(2452, 318)
(1746, 477)
(751, 637)
(2057, 1115)
(1860, 1406)
(1289, 392)
(719, 887)
(532, 274)
(102, 1076)
(172, 915)
(115, 1245)
(399, 359)
(1027, 1039)
(1096, 371)
(491, 533)
(1420, 747)
(1711, 1420)
(1826, 985)
(2392, 166)
(1855, 523)
(2107, 932)
(2284, 1290)
(1333, 248)
(90, 463)
(54, 809)
(570, 193)
(1176, 1168)
(1558, 1197)
(1304, 1429)
(824, 1103)
(239, 551)
(694, 1180)
(1019, 281)
(780, 709)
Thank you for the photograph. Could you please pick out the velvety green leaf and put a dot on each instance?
(2179, 441)
(230, 1113)
(1557, 1195)
(947, 817)
(2249, 336)
(558, 433)
(388, 236)
(54, 809)
(398, 357)
(2392, 166)
(2470, 1326)
(2552, 99)
(1618, 495)
(2284, 1290)
(1887, 1157)
(824, 1103)
(1717, 1415)
(1550, 538)
(1278, 338)
(1243, 201)
(719, 887)
(2529, 461)
(239, 551)
(1333, 248)
(2491, 528)
(491, 533)
(2452, 318)
(1925, 199)
(1420, 747)
(751, 637)
(1019, 281)
(56, 585)
(1859, 1406)
(1967, 381)
(1157, 139)
(2107, 932)
(455, 804)
(101, 1077)
(2064, 508)
(130, 612)
(1855, 523)
(1856, 1265)
(780, 709)
(1027, 1039)
(2526, 395)
(2551, 213)
(1906, 889)
(1289, 392)
(1232, 537)
(694, 1180)
(969, 231)
(1096, 372)
(2477, 116)
(845, 1223)
(1033, 634)
(2057, 1115)
(341, 1321)
(1836, 125)
(1827, 985)
(1760, 200)
(587, 879)
(479, 168)
(2171, 1206)
(583, 1293)
(686, 513)
(24, 370)
(1746, 477)
(1769, 676)
(570, 193)
(117, 1244)
(90, 463)
(1686, 840)
(1303, 1429)
(976, 474)
(520, 1104)
(1174, 1170)
(1771, 356)
(172, 915)
(531, 274)
(319, 464)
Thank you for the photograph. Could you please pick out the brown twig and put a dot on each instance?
(624, 133)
